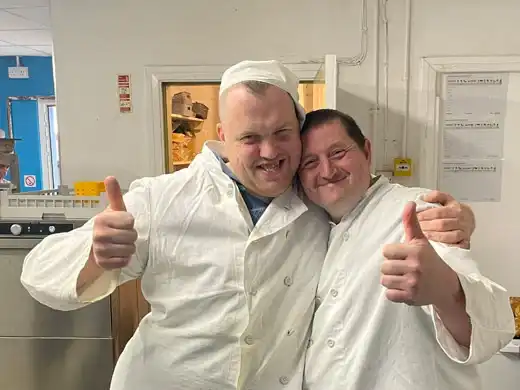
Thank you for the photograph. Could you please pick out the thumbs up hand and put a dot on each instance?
(114, 235)
(413, 272)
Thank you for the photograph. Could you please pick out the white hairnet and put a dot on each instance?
(270, 72)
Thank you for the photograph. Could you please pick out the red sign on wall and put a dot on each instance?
(125, 93)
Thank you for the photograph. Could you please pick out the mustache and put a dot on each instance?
(337, 176)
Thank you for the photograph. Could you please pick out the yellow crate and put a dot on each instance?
(89, 188)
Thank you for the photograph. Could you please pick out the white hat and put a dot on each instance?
(270, 72)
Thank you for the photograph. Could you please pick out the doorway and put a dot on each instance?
(203, 128)
(32, 122)
(49, 143)
(311, 93)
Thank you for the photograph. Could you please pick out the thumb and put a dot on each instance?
(412, 228)
(437, 197)
(115, 197)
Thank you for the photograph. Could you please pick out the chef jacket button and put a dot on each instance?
(249, 339)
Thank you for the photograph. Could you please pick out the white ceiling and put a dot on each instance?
(25, 28)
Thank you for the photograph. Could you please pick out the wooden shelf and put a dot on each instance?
(181, 163)
(195, 124)
(186, 118)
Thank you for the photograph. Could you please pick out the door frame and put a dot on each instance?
(432, 70)
(156, 76)
(331, 81)
(45, 140)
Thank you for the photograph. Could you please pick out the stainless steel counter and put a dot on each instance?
(41, 348)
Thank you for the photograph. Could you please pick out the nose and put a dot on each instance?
(327, 169)
(268, 150)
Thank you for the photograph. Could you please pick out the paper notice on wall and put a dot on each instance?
(476, 96)
(472, 180)
(474, 111)
(472, 144)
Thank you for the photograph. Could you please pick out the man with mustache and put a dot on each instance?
(229, 255)
(395, 311)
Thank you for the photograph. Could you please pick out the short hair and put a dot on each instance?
(258, 88)
(255, 87)
(325, 115)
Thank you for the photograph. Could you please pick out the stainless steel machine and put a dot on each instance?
(41, 348)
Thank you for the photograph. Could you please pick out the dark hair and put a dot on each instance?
(326, 115)
(259, 88)
(256, 87)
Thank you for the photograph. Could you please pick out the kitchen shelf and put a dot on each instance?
(194, 124)
(178, 117)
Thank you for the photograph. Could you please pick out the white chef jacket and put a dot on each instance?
(362, 341)
(231, 303)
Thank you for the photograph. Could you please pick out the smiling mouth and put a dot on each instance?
(333, 182)
(272, 167)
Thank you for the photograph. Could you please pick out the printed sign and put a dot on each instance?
(29, 181)
(402, 167)
(125, 94)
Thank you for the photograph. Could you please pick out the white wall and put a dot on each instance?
(97, 39)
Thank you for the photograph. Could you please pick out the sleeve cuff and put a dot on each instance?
(452, 349)
(487, 308)
(101, 288)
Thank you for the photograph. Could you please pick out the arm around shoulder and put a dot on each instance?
(59, 274)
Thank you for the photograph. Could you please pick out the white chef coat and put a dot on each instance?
(231, 303)
(362, 341)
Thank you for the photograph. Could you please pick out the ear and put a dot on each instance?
(220, 132)
(367, 150)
